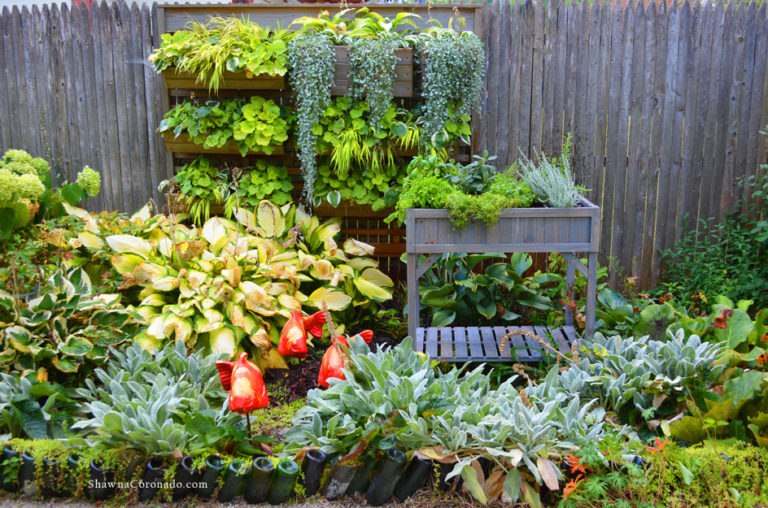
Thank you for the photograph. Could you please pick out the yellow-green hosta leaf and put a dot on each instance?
(165, 247)
(130, 244)
(285, 257)
(223, 341)
(165, 283)
(357, 248)
(245, 217)
(126, 263)
(156, 328)
(289, 302)
(305, 260)
(374, 284)
(148, 343)
(271, 219)
(214, 230)
(154, 300)
(147, 313)
(362, 263)
(322, 270)
(90, 240)
(249, 324)
(261, 339)
(177, 327)
(334, 299)
(196, 279)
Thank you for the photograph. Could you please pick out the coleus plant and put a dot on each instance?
(255, 125)
(230, 286)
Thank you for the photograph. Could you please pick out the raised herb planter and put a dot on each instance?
(181, 144)
(569, 231)
(176, 79)
(402, 87)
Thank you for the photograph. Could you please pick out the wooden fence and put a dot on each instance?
(664, 103)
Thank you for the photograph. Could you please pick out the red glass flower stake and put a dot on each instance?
(293, 339)
(334, 358)
(242, 379)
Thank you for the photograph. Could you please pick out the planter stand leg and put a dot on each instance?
(570, 277)
(413, 296)
(589, 328)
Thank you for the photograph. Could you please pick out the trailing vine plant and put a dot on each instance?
(311, 61)
(372, 73)
(453, 74)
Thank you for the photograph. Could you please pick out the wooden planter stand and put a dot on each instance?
(569, 231)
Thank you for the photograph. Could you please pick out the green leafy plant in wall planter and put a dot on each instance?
(254, 125)
(345, 131)
(200, 183)
(224, 44)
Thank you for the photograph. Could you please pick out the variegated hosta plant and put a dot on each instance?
(230, 285)
(65, 328)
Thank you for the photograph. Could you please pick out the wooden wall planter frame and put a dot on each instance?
(402, 87)
(569, 231)
(181, 144)
(175, 79)
(362, 222)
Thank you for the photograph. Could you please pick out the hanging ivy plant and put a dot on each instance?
(311, 60)
(453, 74)
(372, 73)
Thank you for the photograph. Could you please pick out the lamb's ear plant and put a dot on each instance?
(311, 61)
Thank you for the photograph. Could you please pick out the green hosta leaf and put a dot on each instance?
(76, 347)
(65, 365)
(7, 220)
(334, 198)
(443, 317)
(441, 297)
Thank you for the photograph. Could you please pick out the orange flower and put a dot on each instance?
(764, 338)
(659, 445)
(721, 321)
(571, 486)
(574, 463)
(665, 298)
(762, 359)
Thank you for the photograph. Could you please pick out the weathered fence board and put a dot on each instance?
(664, 101)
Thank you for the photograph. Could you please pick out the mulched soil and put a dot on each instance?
(295, 382)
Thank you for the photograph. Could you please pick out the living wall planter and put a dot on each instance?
(176, 79)
(569, 231)
(402, 87)
(181, 144)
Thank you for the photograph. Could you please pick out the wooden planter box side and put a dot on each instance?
(182, 144)
(175, 79)
(518, 229)
(402, 87)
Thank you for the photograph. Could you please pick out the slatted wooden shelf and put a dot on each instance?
(483, 344)
(402, 86)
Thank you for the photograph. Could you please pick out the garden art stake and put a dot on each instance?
(247, 392)
(293, 339)
(334, 358)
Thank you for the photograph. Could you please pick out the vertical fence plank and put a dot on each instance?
(513, 94)
(580, 111)
(633, 192)
(759, 89)
(747, 89)
(5, 133)
(603, 76)
(495, 55)
(537, 73)
(502, 106)
(591, 98)
(526, 51)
